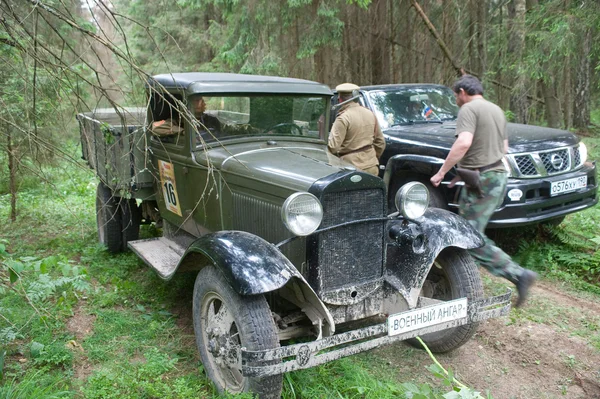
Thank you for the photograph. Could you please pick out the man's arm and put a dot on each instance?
(337, 135)
(506, 146)
(378, 141)
(457, 152)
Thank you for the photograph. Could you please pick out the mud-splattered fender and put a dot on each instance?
(254, 266)
(409, 260)
(250, 264)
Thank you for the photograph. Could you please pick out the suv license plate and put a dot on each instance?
(565, 186)
(427, 316)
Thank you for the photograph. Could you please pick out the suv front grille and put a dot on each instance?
(352, 254)
(545, 163)
(556, 161)
(525, 165)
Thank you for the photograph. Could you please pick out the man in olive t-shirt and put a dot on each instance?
(480, 146)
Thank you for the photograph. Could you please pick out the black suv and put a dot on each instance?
(549, 175)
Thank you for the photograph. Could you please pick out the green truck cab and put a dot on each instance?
(296, 258)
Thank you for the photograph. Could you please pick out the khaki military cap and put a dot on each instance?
(346, 88)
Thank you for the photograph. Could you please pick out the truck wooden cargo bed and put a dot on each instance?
(114, 145)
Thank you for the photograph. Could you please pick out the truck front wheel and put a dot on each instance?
(454, 275)
(224, 323)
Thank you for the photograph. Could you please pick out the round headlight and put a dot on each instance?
(302, 213)
(582, 153)
(412, 200)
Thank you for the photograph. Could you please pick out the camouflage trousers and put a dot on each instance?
(478, 212)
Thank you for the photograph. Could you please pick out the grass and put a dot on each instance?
(134, 339)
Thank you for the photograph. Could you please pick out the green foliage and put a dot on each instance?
(34, 385)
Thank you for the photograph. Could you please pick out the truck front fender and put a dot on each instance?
(254, 266)
(250, 264)
(418, 164)
(417, 246)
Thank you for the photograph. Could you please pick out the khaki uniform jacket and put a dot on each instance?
(355, 128)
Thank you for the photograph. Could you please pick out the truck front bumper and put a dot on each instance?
(309, 354)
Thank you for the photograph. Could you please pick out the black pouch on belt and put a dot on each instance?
(471, 179)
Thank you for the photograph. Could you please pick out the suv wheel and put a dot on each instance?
(454, 275)
(224, 322)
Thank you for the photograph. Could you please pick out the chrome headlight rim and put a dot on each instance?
(403, 196)
(285, 213)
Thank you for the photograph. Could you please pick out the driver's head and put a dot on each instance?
(199, 105)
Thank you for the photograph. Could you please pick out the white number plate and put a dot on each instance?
(427, 316)
(565, 186)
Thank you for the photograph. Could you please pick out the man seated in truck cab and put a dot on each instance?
(166, 127)
(206, 122)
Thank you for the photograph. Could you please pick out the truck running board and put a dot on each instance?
(161, 254)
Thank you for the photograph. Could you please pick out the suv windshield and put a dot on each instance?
(411, 105)
(221, 117)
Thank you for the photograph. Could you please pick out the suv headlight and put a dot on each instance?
(302, 213)
(507, 165)
(582, 153)
(412, 200)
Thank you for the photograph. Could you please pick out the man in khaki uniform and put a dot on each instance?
(356, 136)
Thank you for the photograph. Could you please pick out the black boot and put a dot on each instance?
(523, 283)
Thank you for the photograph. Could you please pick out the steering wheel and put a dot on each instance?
(294, 129)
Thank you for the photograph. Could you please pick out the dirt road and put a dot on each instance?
(549, 349)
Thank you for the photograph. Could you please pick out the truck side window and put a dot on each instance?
(165, 118)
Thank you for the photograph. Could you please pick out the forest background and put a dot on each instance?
(538, 59)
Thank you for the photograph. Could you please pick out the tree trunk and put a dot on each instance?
(516, 47)
(12, 174)
(581, 114)
(482, 36)
(552, 105)
(380, 49)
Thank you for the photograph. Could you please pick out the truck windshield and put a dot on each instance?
(224, 117)
(410, 105)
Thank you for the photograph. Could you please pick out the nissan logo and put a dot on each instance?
(556, 161)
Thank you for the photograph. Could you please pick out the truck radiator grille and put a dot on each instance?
(546, 163)
(352, 254)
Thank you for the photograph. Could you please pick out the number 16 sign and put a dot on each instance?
(169, 188)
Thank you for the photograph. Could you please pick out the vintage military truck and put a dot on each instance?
(549, 174)
(297, 259)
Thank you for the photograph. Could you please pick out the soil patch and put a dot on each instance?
(81, 325)
(527, 355)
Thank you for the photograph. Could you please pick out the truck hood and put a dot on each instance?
(521, 138)
(289, 165)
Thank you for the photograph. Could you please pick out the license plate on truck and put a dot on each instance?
(427, 316)
(565, 186)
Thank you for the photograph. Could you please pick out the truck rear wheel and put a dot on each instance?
(108, 219)
(131, 218)
(454, 275)
(224, 322)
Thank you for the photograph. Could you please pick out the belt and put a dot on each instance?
(487, 167)
(361, 149)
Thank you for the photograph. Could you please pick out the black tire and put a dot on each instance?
(436, 196)
(108, 219)
(131, 218)
(250, 324)
(454, 275)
